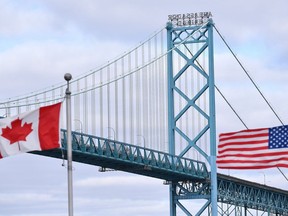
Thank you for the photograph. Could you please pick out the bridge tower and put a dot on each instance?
(191, 108)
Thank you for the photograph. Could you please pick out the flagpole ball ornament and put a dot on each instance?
(67, 77)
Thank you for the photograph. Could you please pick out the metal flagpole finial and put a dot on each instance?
(68, 77)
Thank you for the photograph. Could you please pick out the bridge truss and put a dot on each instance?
(235, 196)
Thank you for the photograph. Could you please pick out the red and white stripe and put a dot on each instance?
(248, 149)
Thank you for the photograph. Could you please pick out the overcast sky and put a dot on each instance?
(40, 41)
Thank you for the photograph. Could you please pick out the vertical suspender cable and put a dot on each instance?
(108, 102)
(153, 101)
(77, 103)
(35, 102)
(130, 101)
(144, 95)
(187, 118)
(93, 106)
(180, 125)
(198, 122)
(116, 105)
(145, 98)
(8, 110)
(27, 107)
(198, 86)
(62, 94)
(161, 96)
(158, 122)
(149, 96)
(205, 101)
(165, 93)
(44, 95)
(153, 97)
(53, 95)
(85, 108)
(18, 108)
(123, 100)
(138, 100)
(101, 104)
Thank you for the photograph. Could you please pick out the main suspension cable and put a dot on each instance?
(255, 85)
(241, 65)
(230, 106)
(218, 90)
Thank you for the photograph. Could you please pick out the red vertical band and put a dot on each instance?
(48, 130)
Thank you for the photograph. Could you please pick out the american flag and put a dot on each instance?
(254, 149)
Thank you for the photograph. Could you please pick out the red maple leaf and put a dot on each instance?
(17, 132)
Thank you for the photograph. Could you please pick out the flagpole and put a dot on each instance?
(68, 77)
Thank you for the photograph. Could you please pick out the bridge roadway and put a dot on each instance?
(192, 174)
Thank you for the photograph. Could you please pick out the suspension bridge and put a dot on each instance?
(151, 112)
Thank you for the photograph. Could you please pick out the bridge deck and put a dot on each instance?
(130, 158)
(252, 195)
(134, 159)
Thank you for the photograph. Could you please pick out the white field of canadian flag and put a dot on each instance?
(34, 130)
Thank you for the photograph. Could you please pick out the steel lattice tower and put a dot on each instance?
(189, 46)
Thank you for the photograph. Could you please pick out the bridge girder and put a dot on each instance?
(234, 192)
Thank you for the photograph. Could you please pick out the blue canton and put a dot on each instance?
(278, 137)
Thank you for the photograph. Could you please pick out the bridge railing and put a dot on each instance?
(150, 158)
(252, 195)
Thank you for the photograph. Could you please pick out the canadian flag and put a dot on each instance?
(35, 130)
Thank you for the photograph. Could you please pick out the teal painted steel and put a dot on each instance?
(251, 195)
(116, 155)
(171, 86)
(212, 122)
(185, 36)
(175, 40)
(188, 178)
(237, 193)
(171, 122)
